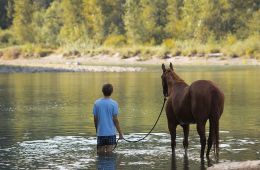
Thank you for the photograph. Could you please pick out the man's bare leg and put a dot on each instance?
(101, 149)
(109, 148)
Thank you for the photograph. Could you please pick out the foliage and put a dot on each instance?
(6, 38)
(169, 43)
(22, 20)
(249, 47)
(190, 27)
(115, 41)
(6, 11)
(133, 23)
(73, 21)
(47, 25)
(11, 53)
(25, 51)
(94, 19)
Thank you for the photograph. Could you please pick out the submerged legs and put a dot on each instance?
(210, 139)
(201, 132)
(186, 129)
(172, 129)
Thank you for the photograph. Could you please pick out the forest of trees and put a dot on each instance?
(118, 23)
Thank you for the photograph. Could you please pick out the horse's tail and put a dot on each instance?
(215, 114)
(214, 132)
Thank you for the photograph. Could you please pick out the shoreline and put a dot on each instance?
(107, 63)
(246, 165)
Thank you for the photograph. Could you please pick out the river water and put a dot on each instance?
(46, 120)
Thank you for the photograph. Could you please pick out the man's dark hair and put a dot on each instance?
(107, 89)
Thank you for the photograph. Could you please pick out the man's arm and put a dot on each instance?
(116, 122)
(95, 122)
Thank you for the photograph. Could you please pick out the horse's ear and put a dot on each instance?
(163, 68)
(171, 66)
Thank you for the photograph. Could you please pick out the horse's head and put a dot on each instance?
(165, 77)
(169, 77)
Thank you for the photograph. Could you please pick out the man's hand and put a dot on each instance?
(121, 136)
(95, 122)
(116, 122)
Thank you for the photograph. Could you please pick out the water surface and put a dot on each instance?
(46, 119)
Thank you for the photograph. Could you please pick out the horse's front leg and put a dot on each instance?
(186, 129)
(172, 128)
(172, 123)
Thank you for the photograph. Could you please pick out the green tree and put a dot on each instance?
(174, 26)
(47, 24)
(133, 22)
(6, 11)
(194, 16)
(153, 20)
(22, 20)
(94, 21)
(253, 24)
(214, 19)
(145, 21)
(73, 21)
(112, 11)
(43, 4)
(239, 13)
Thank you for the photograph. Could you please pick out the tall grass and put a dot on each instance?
(116, 45)
(25, 51)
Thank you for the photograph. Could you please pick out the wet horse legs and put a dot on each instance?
(201, 132)
(209, 139)
(172, 129)
(186, 129)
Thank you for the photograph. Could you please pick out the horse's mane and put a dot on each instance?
(175, 76)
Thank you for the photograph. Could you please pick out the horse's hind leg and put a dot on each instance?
(186, 129)
(201, 132)
(210, 138)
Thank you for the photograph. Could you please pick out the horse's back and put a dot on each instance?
(205, 97)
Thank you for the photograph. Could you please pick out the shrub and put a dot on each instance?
(231, 39)
(249, 47)
(252, 46)
(11, 53)
(31, 50)
(115, 41)
(6, 38)
(177, 53)
(215, 50)
(169, 43)
(1, 54)
(193, 52)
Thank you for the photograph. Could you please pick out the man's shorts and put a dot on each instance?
(106, 140)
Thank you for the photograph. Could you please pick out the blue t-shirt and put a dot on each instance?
(104, 109)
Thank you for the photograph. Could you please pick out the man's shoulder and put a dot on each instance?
(102, 100)
(113, 101)
(98, 101)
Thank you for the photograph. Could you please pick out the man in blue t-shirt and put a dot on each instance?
(105, 112)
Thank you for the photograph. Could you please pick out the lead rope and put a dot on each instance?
(148, 132)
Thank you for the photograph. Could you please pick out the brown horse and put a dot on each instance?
(197, 103)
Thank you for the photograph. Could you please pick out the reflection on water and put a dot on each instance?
(46, 120)
(106, 161)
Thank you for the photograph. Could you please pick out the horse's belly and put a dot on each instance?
(185, 118)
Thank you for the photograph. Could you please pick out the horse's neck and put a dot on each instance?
(179, 85)
(177, 88)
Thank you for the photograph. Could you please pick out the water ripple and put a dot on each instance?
(75, 152)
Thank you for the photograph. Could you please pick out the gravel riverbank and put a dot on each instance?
(106, 63)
